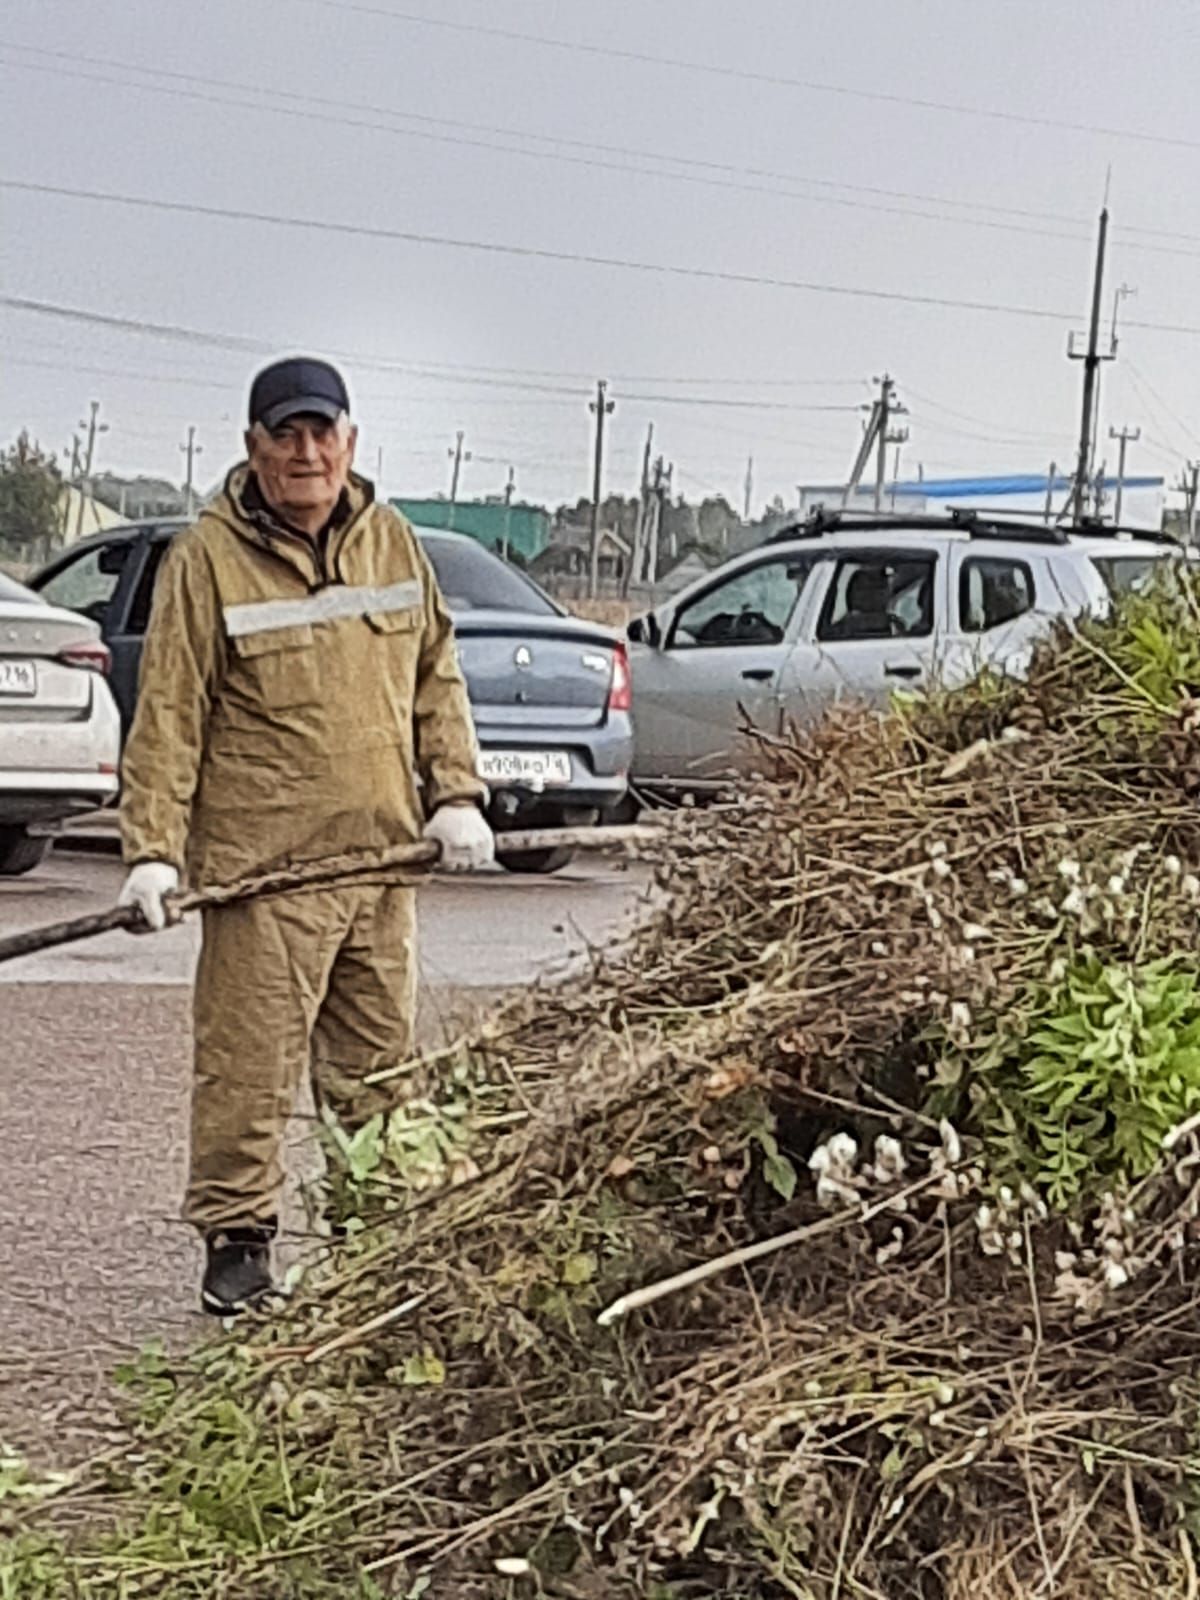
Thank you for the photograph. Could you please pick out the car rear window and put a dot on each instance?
(12, 591)
(473, 579)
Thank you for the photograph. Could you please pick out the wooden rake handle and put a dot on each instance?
(405, 863)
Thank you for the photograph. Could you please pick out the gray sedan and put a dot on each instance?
(550, 692)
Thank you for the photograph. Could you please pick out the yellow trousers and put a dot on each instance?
(323, 982)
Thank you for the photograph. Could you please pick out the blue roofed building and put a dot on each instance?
(1015, 493)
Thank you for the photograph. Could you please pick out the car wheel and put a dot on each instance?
(555, 858)
(21, 852)
(626, 811)
(534, 861)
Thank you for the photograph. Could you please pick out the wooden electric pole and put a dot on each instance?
(509, 487)
(73, 482)
(748, 496)
(602, 407)
(877, 435)
(191, 450)
(93, 427)
(1189, 486)
(458, 455)
(1124, 438)
(641, 539)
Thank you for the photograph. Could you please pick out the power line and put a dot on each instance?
(1140, 378)
(572, 257)
(533, 252)
(749, 75)
(157, 73)
(1015, 435)
(630, 395)
(774, 175)
(603, 165)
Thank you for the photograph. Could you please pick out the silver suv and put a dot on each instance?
(855, 606)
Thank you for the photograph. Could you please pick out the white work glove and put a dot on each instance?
(466, 840)
(147, 888)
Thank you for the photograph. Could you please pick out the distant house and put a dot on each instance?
(515, 529)
(82, 514)
(565, 563)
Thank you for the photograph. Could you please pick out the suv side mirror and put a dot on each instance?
(645, 630)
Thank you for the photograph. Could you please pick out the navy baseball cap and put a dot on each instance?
(297, 386)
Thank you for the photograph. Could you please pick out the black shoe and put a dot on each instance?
(237, 1272)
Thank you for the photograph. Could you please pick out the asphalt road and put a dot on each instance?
(94, 1073)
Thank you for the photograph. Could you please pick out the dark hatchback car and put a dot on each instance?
(550, 693)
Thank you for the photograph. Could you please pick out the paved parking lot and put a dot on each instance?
(94, 1070)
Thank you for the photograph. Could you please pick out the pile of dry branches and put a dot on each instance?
(882, 1356)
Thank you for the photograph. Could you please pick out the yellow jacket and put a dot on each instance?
(290, 695)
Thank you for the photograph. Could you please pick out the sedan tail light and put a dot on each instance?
(90, 654)
(620, 690)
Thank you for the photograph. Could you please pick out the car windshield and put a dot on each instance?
(473, 579)
(16, 592)
(1126, 575)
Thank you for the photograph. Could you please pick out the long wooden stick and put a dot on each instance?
(404, 863)
(755, 1252)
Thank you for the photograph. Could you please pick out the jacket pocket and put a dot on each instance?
(395, 621)
(281, 667)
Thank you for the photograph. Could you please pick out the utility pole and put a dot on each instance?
(458, 455)
(898, 438)
(379, 469)
(1189, 486)
(93, 427)
(877, 435)
(1091, 358)
(72, 483)
(601, 407)
(1124, 437)
(191, 450)
(508, 496)
(889, 407)
(641, 536)
(662, 493)
(749, 488)
(1050, 477)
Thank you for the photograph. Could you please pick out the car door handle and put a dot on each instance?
(758, 674)
(901, 672)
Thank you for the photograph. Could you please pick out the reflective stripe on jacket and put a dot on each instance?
(290, 697)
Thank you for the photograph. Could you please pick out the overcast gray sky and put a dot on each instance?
(530, 124)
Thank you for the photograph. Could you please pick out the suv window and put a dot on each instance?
(753, 607)
(879, 597)
(88, 583)
(992, 591)
(1129, 574)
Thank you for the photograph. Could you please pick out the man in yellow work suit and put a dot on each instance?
(300, 700)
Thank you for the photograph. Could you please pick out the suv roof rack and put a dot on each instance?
(961, 519)
(976, 523)
(1094, 527)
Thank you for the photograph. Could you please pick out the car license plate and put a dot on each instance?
(18, 678)
(535, 769)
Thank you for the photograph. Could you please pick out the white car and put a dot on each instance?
(60, 735)
(853, 606)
